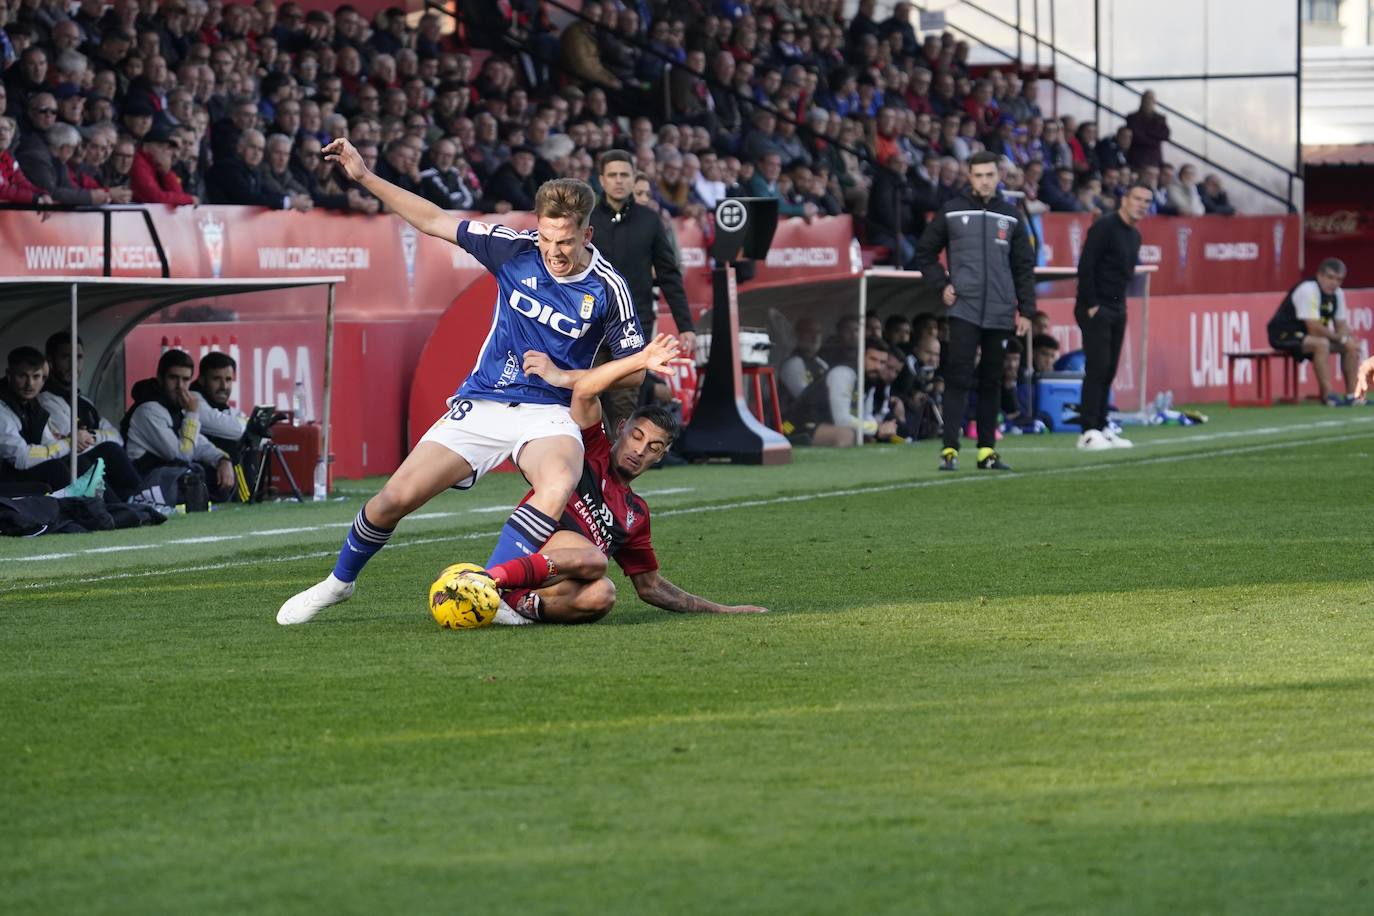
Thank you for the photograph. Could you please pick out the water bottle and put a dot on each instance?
(320, 488)
(298, 403)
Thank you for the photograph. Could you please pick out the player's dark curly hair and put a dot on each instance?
(660, 417)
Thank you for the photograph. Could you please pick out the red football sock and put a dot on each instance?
(522, 572)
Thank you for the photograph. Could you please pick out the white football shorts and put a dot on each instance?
(486, 433)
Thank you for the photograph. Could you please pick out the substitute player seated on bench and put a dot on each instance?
(223, 425)
(162, 429)
(1312, 323)
(33, 449)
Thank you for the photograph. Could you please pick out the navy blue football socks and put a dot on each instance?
(364, 539)
(524, 533)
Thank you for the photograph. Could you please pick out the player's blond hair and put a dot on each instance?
(565, 197)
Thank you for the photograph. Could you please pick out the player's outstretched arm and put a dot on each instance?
(653, 589)
(588, 384)
(420, 213)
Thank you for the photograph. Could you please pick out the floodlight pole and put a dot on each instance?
(76, 382)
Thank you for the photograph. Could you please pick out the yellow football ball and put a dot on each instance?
(452, 611)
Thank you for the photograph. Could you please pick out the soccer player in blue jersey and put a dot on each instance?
(558, 296)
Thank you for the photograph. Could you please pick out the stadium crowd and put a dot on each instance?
(192, 101)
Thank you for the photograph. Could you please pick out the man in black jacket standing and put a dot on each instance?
(636, 242)
(1105, 269)
(989, 290)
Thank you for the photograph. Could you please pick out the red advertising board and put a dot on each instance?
(1239, 254)
(1190, 337)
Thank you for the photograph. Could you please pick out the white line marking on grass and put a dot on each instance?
(1201, 437)
(722, 507)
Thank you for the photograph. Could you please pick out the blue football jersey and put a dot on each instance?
(565, 317)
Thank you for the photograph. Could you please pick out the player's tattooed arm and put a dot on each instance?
(658, 591)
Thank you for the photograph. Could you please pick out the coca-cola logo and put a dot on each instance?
(1335, 223)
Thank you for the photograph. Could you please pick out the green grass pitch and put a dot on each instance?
(1125, 682)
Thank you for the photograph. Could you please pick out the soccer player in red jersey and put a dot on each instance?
(566, 581)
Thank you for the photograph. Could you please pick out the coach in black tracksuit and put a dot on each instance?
(989, 290)
(635, 240)
(1105, 270)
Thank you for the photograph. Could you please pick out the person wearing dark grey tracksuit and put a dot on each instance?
(989, 290)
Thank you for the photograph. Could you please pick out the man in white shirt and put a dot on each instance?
(1312, 323)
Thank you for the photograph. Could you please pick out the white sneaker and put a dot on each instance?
(1117, 441)
(1093, 440)
(303, 607)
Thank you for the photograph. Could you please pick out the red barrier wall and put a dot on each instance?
(1190, 335)
(1239, 254)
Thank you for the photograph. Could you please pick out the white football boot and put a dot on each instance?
(1093, 440)
(303, 607)
(1115, 440)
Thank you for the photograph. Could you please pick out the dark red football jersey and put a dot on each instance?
(608, 513)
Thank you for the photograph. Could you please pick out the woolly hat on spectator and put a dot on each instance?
(67, 91)
(158, 134)
(524, 148)
(138, 104)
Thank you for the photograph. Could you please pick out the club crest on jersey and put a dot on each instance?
(588, 304)
(545, 315)
(630, 518)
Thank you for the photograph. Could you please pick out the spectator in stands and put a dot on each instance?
(513, 185)
(277, 178)
(48, 169)
(162, 428)
(1114, 152)
(116, 172)
(707, 187)
(1183, 196)
(220, 422)
(1057, 190)
(1213, 196)
(765, 184)
(151, 177)
(71, 104)
(1151, 132)
(447, 182)
(187, 166)
(15, 187)
(34, 449)
(239, 180)
(1313, 322)
(897, 209)
(243, 115)
(579, 48)
(1084, 145)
